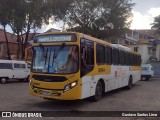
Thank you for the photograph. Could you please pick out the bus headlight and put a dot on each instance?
(70, 86)
(31, 84)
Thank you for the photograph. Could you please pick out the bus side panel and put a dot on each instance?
(119, 78)
(89, 84)
(135, 72)
(86, 86)
(96, 79)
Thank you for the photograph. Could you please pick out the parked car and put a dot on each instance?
(147, 71)
(13, 69)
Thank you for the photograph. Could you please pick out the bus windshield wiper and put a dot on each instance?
(56, 53)
(45, 53)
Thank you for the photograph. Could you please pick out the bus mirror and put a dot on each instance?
(28, 55)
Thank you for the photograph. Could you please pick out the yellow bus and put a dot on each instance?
(71, 65)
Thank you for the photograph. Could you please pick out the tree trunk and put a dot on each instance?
(19, 47)
(26, 41)
(8, 50)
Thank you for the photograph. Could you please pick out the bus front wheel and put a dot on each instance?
(98, 91)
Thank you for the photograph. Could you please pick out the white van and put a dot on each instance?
(12, 69)
(147, 71)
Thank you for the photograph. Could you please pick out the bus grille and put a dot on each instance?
(49, 78)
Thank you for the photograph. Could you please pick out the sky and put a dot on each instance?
(143, 15)
(144, 12)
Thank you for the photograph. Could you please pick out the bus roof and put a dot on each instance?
(121, 47)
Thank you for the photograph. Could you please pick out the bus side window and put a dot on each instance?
(108, 55)
(87, 56)
(115, 56)
(100, 54)
(127, 58)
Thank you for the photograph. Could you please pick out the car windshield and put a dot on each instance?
(145, 68)
(55, 59)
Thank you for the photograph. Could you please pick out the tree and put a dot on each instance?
(4, 19)
(156, 24)
(99, 17)
(23, 16)
(28, 15)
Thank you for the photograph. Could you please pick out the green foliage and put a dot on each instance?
(22, 16)
(99, 17)
(156, 24)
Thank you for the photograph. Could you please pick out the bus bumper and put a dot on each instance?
(72, 94)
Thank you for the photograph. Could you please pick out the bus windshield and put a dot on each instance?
(55, 59)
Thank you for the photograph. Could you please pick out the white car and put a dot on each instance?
(13, 69)
(147, 71)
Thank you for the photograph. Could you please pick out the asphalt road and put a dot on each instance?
(144, 96)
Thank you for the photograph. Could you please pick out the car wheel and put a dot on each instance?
(3, 80)
(143, 78)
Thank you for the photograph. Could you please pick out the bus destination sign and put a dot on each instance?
(54, 38)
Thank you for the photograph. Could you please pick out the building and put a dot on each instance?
(52, 30)
(13, 46)
(130, 37)
(149, 53)
(148, 46)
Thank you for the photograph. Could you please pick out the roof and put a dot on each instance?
(53, 30)
(11, 37)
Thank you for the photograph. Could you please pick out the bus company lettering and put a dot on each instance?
(101, 70)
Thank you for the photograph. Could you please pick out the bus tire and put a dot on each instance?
(26, 79)
(3, 80)
(98, 92)
(143, 78)
(130, 83)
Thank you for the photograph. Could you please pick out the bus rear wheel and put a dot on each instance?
(98, 92)
(130, 83)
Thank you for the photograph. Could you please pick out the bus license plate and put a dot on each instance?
(46, 93)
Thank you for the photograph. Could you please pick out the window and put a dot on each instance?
(139, 60)
(127, 59)
(100, 54)
(16, 65)
(131, 60)
(87, 56)
(87, 52)
(5, 65)
(115, 56)
(136, 49)
(108, 56)
(122, 58)
(145, 68)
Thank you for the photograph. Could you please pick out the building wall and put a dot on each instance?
(13, 50)
(146, 52)
(158, 52)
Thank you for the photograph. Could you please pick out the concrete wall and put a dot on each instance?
(143, 49)
(156, 69)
